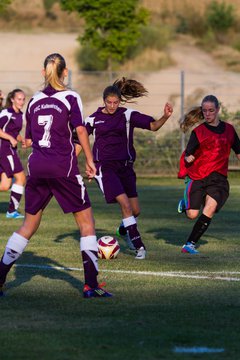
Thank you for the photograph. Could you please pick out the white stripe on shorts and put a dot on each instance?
(99, 179)
(83, 189)
(10, 159)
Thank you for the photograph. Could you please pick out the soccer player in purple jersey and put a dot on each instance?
(1, 100)
(11, 121)
(53, 171)
(204, 164)
(113, 128)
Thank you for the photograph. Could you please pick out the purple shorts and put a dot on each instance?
(70, 193)
(115, 178)
(10, 164)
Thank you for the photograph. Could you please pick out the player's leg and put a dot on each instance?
(88, 245)
(136, 212)
(201, 225)
(130, 225)
(5, 182)
(37, 196)
(215, 190)
(89, 251)
(16, 245)
(135, 206)
(127, 178)
(195, 199)
(16, 195)
(72, 196)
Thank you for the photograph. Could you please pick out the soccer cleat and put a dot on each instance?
(140, 253)
(95, 292)
(121, 232)
(181, 206)
(189, 248)
(14, 215)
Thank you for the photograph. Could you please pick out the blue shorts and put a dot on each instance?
(70, 193)
(115, 178)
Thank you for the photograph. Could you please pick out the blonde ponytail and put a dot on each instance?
(54, 66)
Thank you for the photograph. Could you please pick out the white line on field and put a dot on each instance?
(196, 350)
(224, 276)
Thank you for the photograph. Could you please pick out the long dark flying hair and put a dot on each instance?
(125, 89)
(195, 115)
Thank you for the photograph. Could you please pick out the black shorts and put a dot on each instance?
(214, 185)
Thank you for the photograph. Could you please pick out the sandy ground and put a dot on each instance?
(22, 57)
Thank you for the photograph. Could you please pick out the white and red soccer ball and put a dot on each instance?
(108, 247)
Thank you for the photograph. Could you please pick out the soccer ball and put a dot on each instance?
(108, 247)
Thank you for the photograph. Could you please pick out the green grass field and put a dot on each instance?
(170, 300)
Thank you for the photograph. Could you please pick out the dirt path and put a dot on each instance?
(22, 56)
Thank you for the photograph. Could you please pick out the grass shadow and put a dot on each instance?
(172, 236)
(99, 232)
(32, 265)
(3, 207)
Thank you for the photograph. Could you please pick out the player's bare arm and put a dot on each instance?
(156, 125)
(84, 141)
(8, 137)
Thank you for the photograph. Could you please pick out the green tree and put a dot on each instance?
(220, 16)
(4, 4)
(111, 26)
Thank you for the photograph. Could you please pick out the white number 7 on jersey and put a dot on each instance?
(46, 121)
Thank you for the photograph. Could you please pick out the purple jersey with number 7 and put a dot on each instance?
(50, 119)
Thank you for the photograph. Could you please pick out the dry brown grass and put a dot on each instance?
(179, 5)
(149, 60)
(34, 16)
(227, 57)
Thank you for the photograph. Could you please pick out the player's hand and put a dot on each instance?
(13, 142)
(90, 170)
(189, 159)
(24, 146)
(168, 110)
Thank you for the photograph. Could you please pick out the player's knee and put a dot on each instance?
(127, 209)
(5, 187)
(192, 215)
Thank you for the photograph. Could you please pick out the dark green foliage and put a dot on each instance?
(110, 27)
(48, 4)
(211, 26)
(220, 16)
(4, 4)
(89, 60)
(158, 155)
(191, 22)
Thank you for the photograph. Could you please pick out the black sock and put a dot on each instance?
(199, 228)
(122, 230)
(4, 270)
